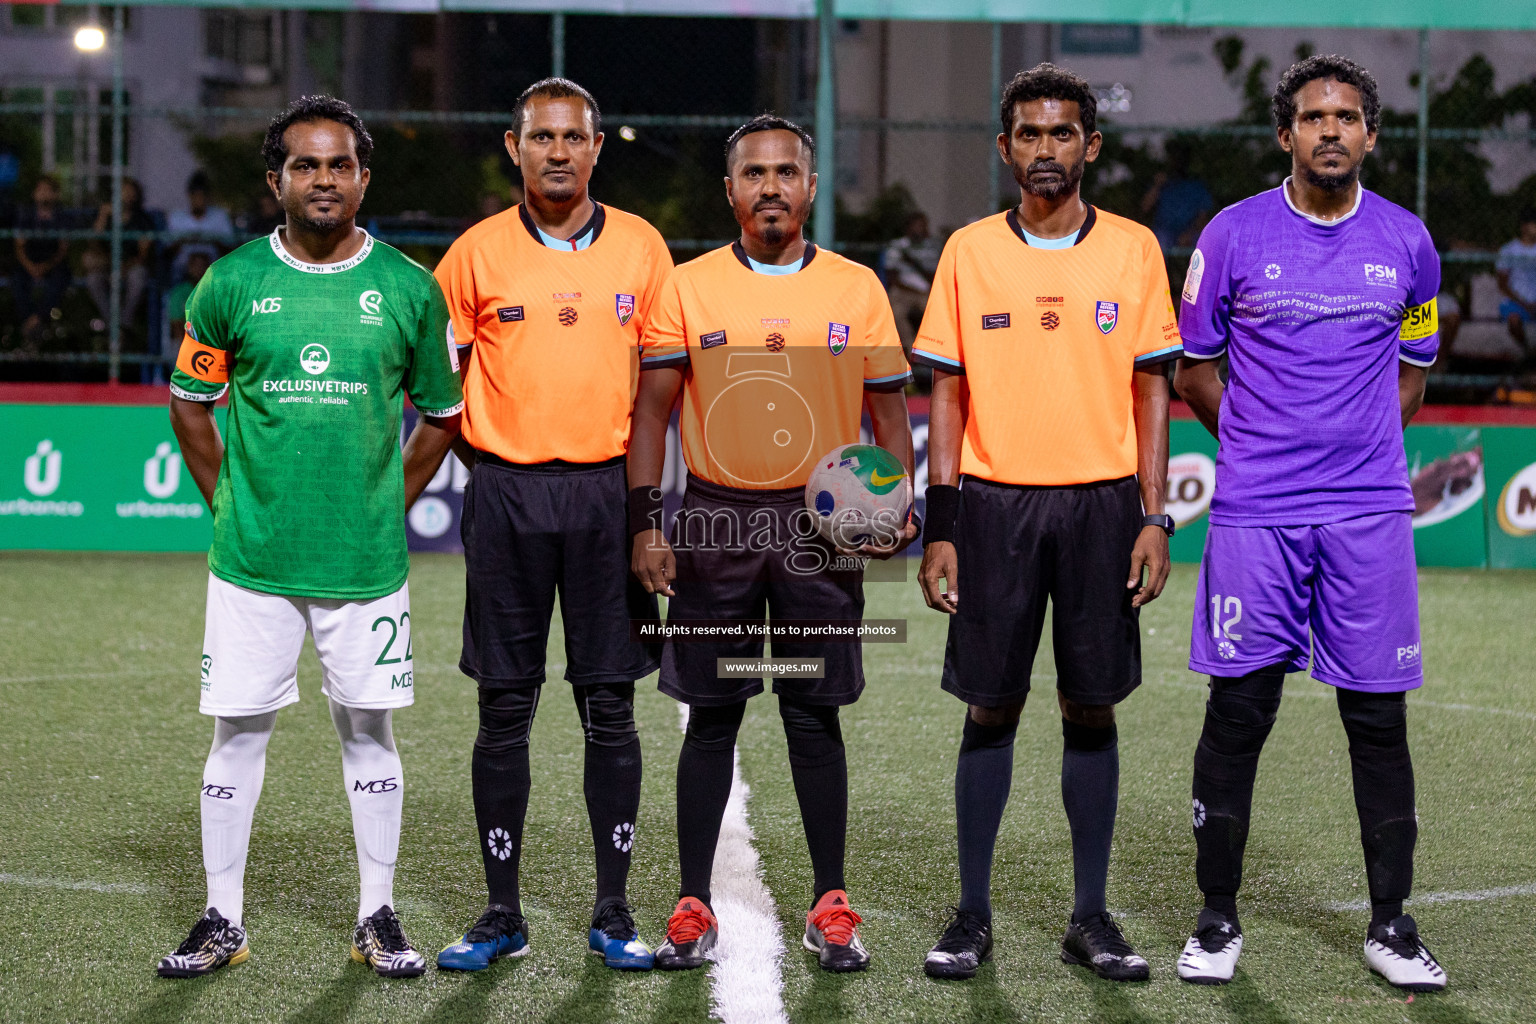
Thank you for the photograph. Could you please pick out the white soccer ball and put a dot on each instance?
(859, 494)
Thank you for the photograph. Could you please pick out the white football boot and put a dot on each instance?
(1210, 955)
(1396, 952)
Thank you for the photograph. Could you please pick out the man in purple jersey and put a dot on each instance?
(1322, 297)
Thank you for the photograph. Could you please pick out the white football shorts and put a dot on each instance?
(252, 640)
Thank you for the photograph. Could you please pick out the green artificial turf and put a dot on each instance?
(101, 749)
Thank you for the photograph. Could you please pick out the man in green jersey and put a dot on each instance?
(315, 332)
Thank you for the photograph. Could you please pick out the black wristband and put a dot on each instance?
(943, 507)
(644, 509)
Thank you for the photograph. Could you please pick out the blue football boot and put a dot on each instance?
(500, 932)
(614, 938)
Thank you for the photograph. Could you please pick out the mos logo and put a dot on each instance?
(314, 357)
(1517, 505)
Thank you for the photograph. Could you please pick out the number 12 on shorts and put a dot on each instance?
(1232, 607)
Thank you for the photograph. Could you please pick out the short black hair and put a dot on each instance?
(313, 108)
(198, 182)
(1527, 215)
(1048, 82)
(769, 123)
(1329, 65)
(554, 89)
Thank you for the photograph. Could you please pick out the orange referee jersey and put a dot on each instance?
(777, 365)
(1048, 340)
(554, 335)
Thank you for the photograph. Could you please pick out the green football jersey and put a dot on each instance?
(311, 494)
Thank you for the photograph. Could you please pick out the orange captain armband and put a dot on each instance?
(198, 361)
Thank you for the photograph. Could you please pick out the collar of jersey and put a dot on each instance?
(1285, 190)
(582, 239)
(747, 261)
(282, 253)
(1018, 227)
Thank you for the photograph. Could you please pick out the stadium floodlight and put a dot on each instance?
(627, 133)
(90, 38)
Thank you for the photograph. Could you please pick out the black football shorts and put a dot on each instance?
(1018, 546)
(532, 533)
(743, 555)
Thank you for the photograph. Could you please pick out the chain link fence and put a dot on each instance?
(435, 100)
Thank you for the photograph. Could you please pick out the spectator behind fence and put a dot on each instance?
(176, 299)
(264, 216)
(1179, 204)
(39, 285)
(1516, 271)
(909, 263)
(200, 227)
(136, 252)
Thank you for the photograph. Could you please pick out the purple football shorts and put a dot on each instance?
(1352, 583)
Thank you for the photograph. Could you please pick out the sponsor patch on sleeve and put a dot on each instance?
(198, 361)
(1192, 279)
(1419, 322)
(453, 349)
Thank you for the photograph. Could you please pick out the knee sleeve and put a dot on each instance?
(1377, 722)
(607, 713)
(1242, 709)
(506, 719)
(713, 729)
(976, 736)
(813, 732)
(1087, 739)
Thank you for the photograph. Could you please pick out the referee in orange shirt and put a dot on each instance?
(548, 300)
(775, 347)
(1049, 330)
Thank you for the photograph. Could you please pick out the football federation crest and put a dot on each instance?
(624, 305)
(837, 338)
(1107, 314)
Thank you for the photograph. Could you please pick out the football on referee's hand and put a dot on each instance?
(859, 494)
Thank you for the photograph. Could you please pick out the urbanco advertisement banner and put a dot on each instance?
(97, 478)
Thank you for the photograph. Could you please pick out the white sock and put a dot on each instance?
(232, 778)
(370, 769)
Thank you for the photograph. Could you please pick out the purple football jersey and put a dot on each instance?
(1313, 317)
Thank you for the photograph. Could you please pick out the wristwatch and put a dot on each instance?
(1164, 521)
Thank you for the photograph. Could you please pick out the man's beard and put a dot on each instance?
(1067, 183)
(774, 234)
(1333, 181)
(562, 191)
(320, 224)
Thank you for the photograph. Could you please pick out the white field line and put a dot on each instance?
(745, 981)
(63, 677)
(34, 882)
(1471, 896)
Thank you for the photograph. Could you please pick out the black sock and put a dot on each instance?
(1090, 792)
(1238, 717)
(703, 787)
(500, 781)
(611, 781)
(818, 763)
(983, 776)
(1377, 726)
